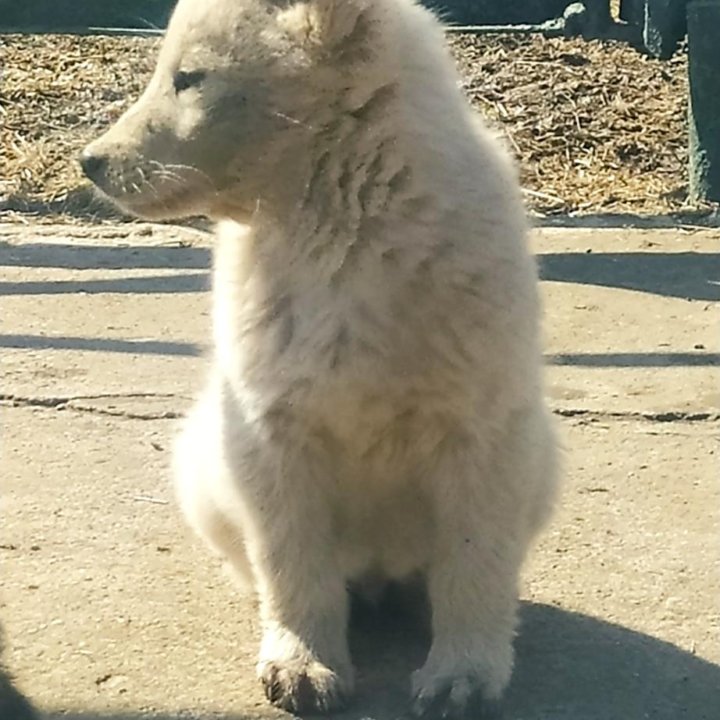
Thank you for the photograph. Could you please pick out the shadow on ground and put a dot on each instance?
(185, 349)
(569, 667)
(685, 275)
(707, 218)
(108, 257)
(156, 284)
(689, 275)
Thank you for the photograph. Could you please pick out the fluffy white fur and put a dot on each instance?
(375, 403)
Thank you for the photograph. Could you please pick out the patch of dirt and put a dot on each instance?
(596, 126)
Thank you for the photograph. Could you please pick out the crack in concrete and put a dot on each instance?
(71, 403)
(668, 416)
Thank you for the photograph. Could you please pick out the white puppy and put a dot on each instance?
(375, 406)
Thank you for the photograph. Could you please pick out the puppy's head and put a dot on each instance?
(239, 90)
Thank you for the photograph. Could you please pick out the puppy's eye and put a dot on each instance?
(184, 80)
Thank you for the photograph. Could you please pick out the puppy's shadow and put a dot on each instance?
(569, 666)
(388, 641)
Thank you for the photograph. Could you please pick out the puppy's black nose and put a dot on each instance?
(93, 165)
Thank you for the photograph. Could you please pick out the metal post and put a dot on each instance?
(704, 103)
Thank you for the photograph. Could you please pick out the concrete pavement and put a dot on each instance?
(113, 611)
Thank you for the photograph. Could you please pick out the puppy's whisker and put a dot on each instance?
(292, 120)
(192, 170)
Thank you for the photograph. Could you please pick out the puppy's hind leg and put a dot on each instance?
(200, 470)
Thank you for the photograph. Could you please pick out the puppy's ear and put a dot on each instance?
(325, 25)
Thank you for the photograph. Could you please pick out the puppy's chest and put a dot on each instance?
(296, 347)
(298, 336)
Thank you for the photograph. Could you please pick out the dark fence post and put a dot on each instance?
(704, 105)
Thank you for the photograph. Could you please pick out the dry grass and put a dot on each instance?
(597, 127)
(58, 92)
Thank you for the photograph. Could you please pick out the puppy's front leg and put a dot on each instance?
(304, 659)
(472, 583)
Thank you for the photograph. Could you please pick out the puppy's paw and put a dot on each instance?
(462, 681)
(452, 698)
(303, 686)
